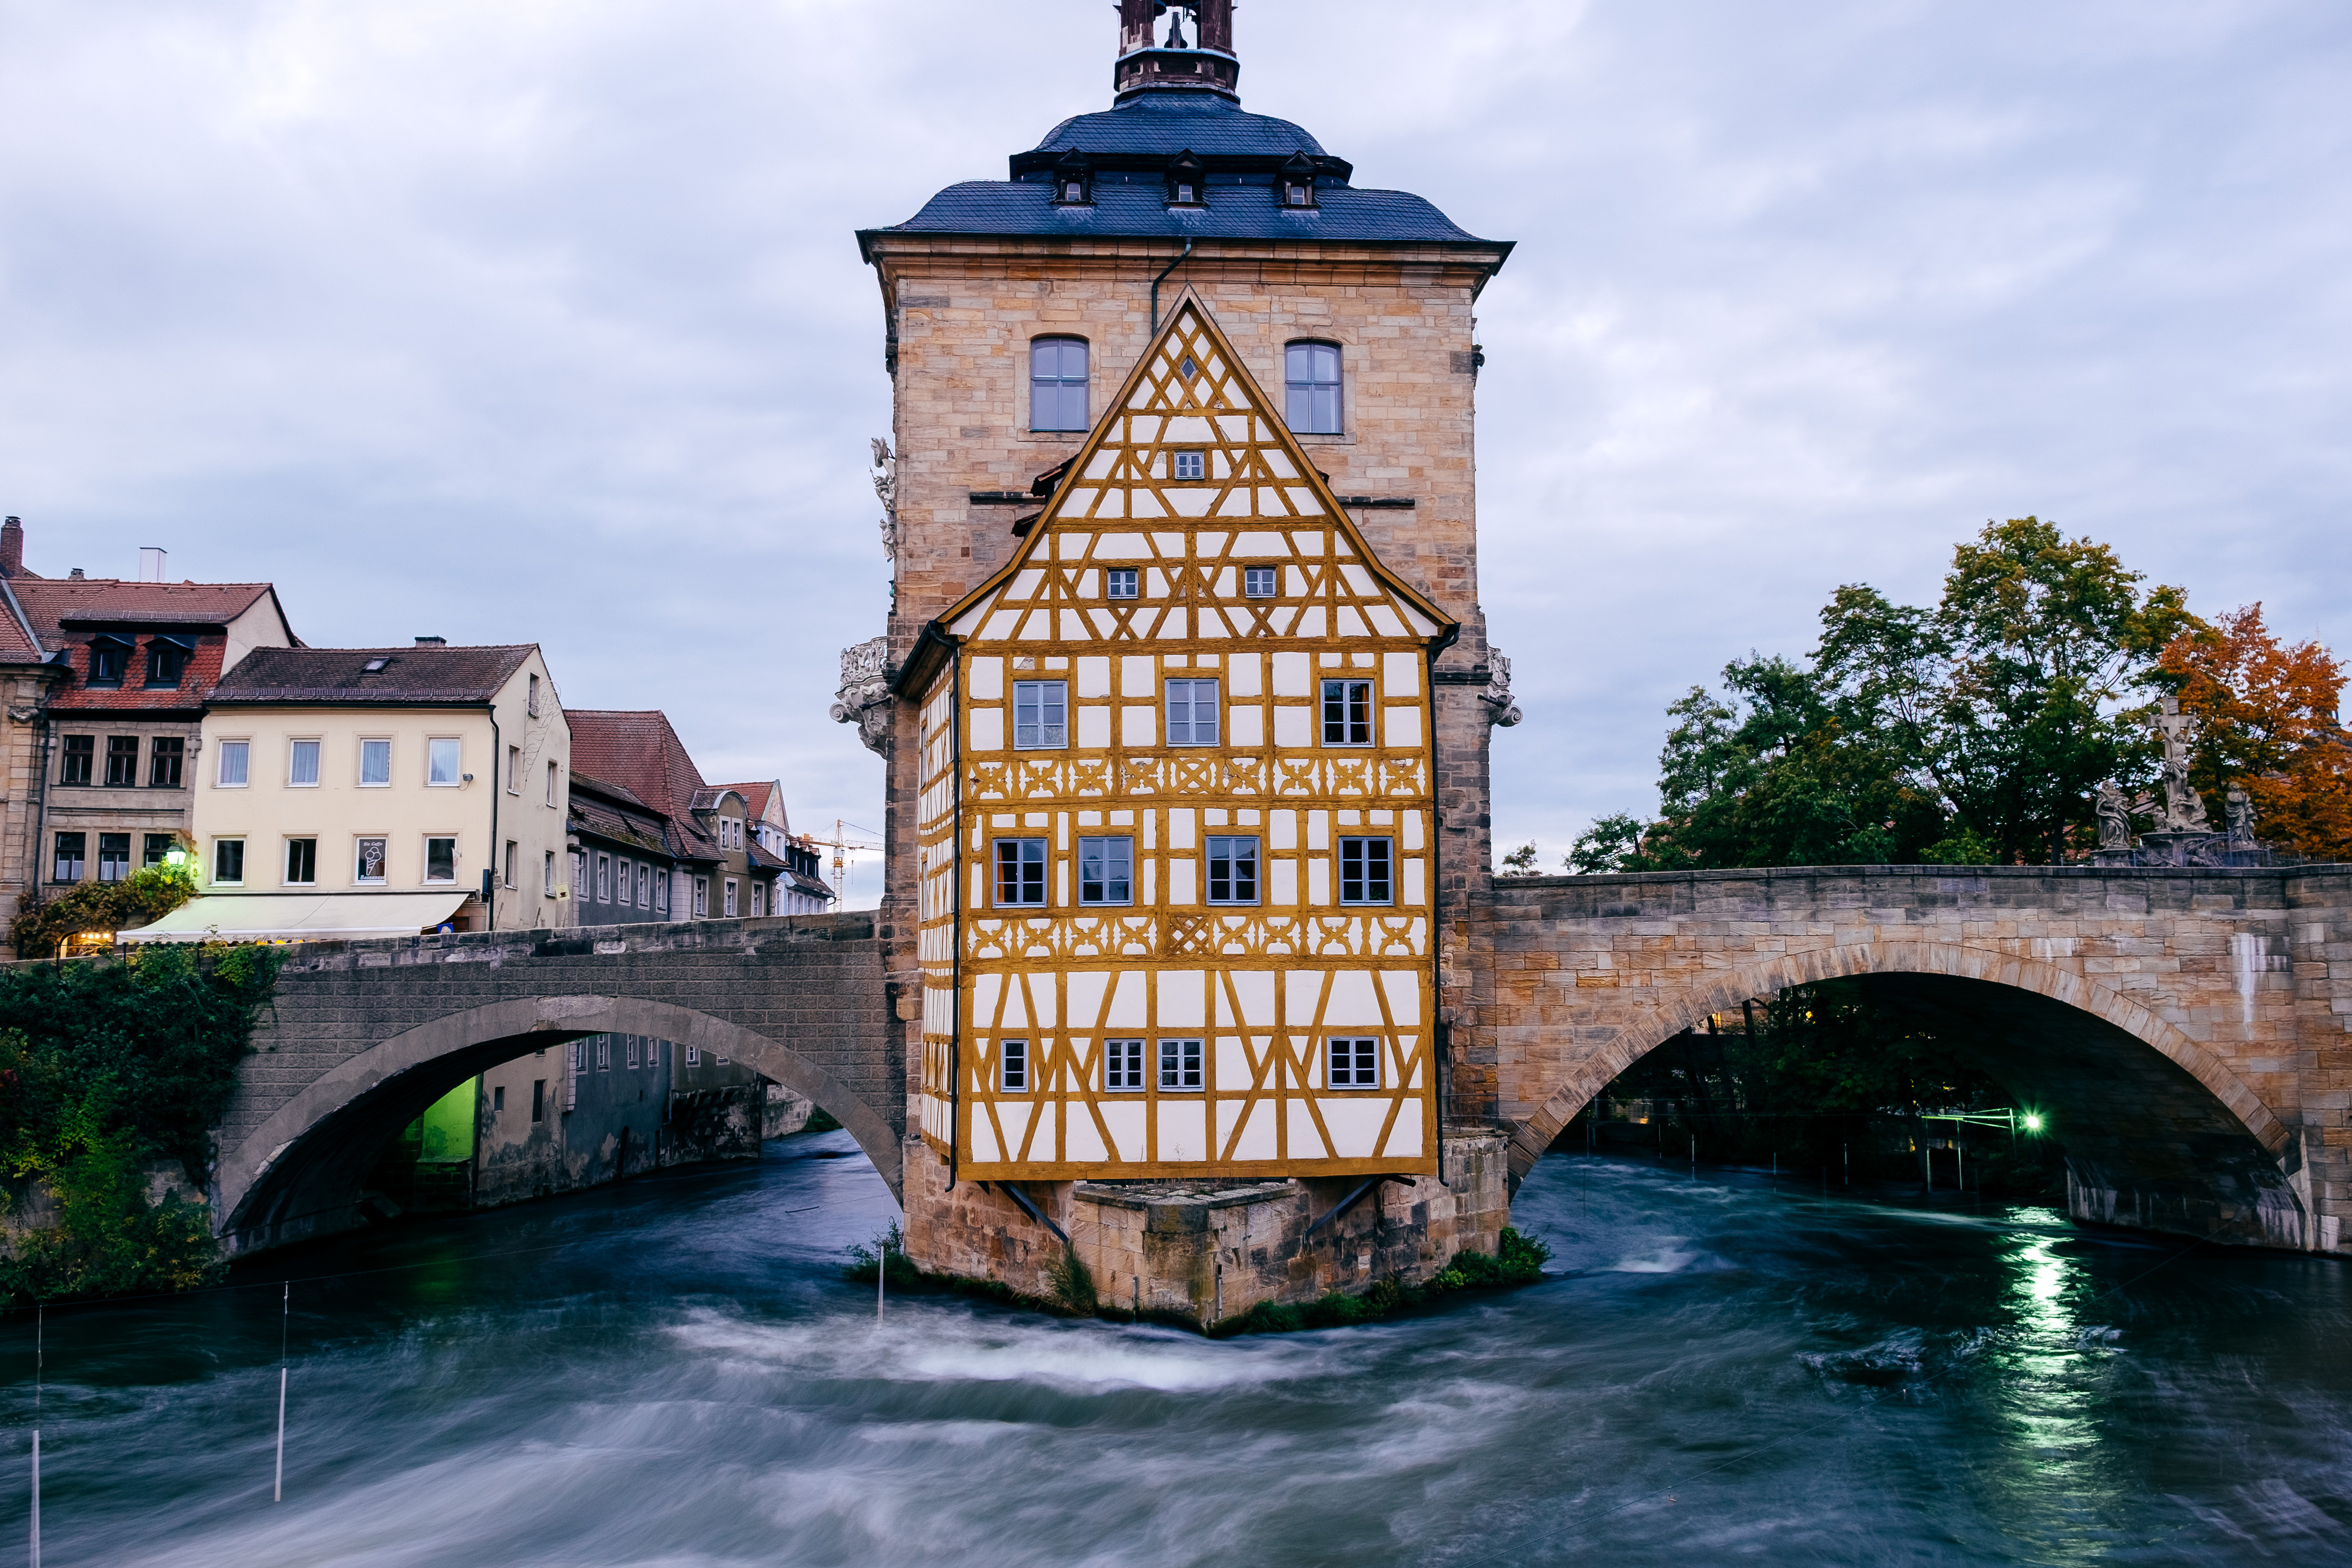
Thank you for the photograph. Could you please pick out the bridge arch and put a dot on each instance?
(298, 1173)
(2211, 1155)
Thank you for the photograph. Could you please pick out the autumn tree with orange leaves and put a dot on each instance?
(2265, 715)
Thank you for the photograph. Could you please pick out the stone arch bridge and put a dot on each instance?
(2188, 1028)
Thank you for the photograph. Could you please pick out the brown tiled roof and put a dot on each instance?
(197, 682)
(56, 603)
(610, 812)
(19, 644)
(707, 799)
(638, 749)
(758, 797)
(411, 675)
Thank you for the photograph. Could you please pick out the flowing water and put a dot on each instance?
(674, 1372)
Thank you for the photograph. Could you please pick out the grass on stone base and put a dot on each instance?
(1519, 1260)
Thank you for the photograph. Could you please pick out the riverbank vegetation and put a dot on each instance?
(112, 1073)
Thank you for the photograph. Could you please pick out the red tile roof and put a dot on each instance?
(56, 603)
(638, 749)
(18, 642)
(423, 673)
(197, 683)
(760, 797)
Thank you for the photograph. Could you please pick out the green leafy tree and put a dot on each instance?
(148, 894)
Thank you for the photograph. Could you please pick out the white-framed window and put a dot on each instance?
(1123, 1066)
(1355, 1062)
(368, 860)
(303, 765)
(301, 863)
(633, 1051)
(694, 1056)
(731, 898)
(661, 890)
(376, 763)
(1057, 384)
(1191, 466)
(1367, 870)
(604, 879)
(554, 795)
(1180, 1065)
(547, 856)
(603, 1053)
(1347, 713)
(235, 756)
(441, 859)
(514, 769)
(1119, 581)
(1310, 381)
(514, 853)
(1260, 581)
(1041, 715)
(1020, 873)
(1191, 712)
(758, 899)
(1232, 870)
(702, 897)
(1105, 871)
(444, 762)
(1012, 1066)
(228, 863)
(578, 1055)
(530, 700)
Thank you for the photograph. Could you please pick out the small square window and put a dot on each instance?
(441, 762)
(228, 860)
(108, 656)
(303, 765)
(166, 662)
(1105, 871)
(1365, 871)
(1259, 581)
(441, 859)
(694, 1056)
(1180, 1064)
(1041, 715)
(234, 755)
(1232, 871)
(1191, 465)
(301, 861)
(1347, 713)
(1123, 1066)
(1191, 712)
(1119, 582)
(1021, 873)
(1012, 1066)
(375, 764)
(1355, 1062)
(368, 865)
(158, 846)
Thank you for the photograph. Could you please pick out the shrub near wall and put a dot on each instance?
(107, 1067)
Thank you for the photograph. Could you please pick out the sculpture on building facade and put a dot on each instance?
(864, 698)
(885, 486)
(1502, 712)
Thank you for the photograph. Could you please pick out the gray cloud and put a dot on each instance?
(544, 322)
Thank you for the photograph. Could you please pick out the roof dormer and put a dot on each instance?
(1074, 180)
(1187, 181)
(1296, 183)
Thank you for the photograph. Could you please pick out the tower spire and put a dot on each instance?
(1207, 64)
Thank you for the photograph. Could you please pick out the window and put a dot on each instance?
(514, 769)
(578, 1060)
(228, 859)
(441, 763)
(1355, 1062)
(693, 1056)
(1311, 384)
(157, 846)
(1191, 712)
(375, 764)
(73, 767)
(108, 656)
(701, 898)
(731, 898)
(1184, 193)
(661, 892)
(546, 869)
(1190, 465)
(73, 850)
(233, 755)
(603, 1053)
(1123, 1065)
(368, 863)
(644, 887)
(1232, 871)
(301, 861)
(550, 785)
(1040, 715)
(165, 753)
(113, 857)
(441, 859)
(1180, 1064)
(1364, 874)
(758, 899)
(167, 660)
(633, 1051)
(303, 765)
(122, 760)
(1012, 1066)
(604, 879)
(498, 1098)
(1347, 713)
(1057, 384)
(1258, 581)
(530, 701)
(539, 1099)
(1105, 871)
(1020, 872)
(514, 852)
(1118, 582)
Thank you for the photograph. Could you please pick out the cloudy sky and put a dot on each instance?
(515, 321)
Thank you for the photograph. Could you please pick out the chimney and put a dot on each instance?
(432, 642)
(151, 564)
(75, 574)
(12, 547)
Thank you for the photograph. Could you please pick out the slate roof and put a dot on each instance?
(1162, 124)
(1232, 212)
(411, 675)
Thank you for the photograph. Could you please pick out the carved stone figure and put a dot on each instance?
(2113, 809)
(864, 698)
(2239, 812)
(1501, 711)
(885, 486)
(2184, 810)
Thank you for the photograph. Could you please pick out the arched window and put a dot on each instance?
(1057, 384)
(1311, 379)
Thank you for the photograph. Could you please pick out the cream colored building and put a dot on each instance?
(378, 791)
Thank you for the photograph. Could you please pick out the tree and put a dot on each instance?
(2265, 720)
(1520, 861)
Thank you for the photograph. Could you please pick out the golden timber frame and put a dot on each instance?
(1188, 481)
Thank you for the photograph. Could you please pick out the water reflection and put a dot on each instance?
(1723, 1368)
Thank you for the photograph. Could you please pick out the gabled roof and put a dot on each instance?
(612, 813)
(711, 797)
(197, 682)
(763, 798)
(635, 748)
(19, 643)
(57, 604)
(1259, 501)
(416, 675)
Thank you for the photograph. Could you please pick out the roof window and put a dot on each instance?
(108, 656)
(1297, 181)
(1187, 186)
(1074, 181)
(374, 666)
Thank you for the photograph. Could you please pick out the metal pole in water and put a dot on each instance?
(40, 1331)
(1693, 1153)
(1846, 1154)
(881, 1269)
(284, 1311)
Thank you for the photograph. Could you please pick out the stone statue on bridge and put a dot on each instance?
(2184, 808)
(2113, 808)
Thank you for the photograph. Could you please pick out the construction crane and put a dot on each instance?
(841, 844)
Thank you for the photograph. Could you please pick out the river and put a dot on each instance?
(673, 1373)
